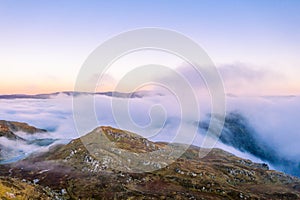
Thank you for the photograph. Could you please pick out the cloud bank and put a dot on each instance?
(274, 119)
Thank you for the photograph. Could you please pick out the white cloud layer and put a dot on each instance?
(275, 119)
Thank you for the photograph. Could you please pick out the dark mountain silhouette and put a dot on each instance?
(238, 133)
(137, 94)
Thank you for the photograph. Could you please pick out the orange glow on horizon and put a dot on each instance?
(42, 87)
(52, 89)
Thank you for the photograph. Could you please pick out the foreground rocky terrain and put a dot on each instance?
(92, 168)
(11, 188)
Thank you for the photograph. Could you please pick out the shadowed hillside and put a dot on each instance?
(238, 133)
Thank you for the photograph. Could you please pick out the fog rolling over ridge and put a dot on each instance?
(237, 132)
(264, 128)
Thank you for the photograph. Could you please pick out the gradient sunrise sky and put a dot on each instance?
(44, 43)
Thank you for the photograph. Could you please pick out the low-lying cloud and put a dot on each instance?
(274, 119)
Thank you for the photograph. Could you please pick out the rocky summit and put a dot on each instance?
(109, 163)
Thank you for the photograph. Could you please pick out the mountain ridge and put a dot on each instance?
(136, 94)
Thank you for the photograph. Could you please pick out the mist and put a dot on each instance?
(274, 119)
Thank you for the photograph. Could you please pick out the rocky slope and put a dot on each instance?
(112, 171)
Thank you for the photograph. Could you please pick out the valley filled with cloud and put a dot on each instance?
(260, 123)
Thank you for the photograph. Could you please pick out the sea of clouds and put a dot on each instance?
(274, 119)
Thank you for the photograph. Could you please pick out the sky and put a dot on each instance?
(255, 44)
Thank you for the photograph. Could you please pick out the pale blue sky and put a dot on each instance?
(44, 43)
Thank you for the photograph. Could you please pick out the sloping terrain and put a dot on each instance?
(112, 172)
